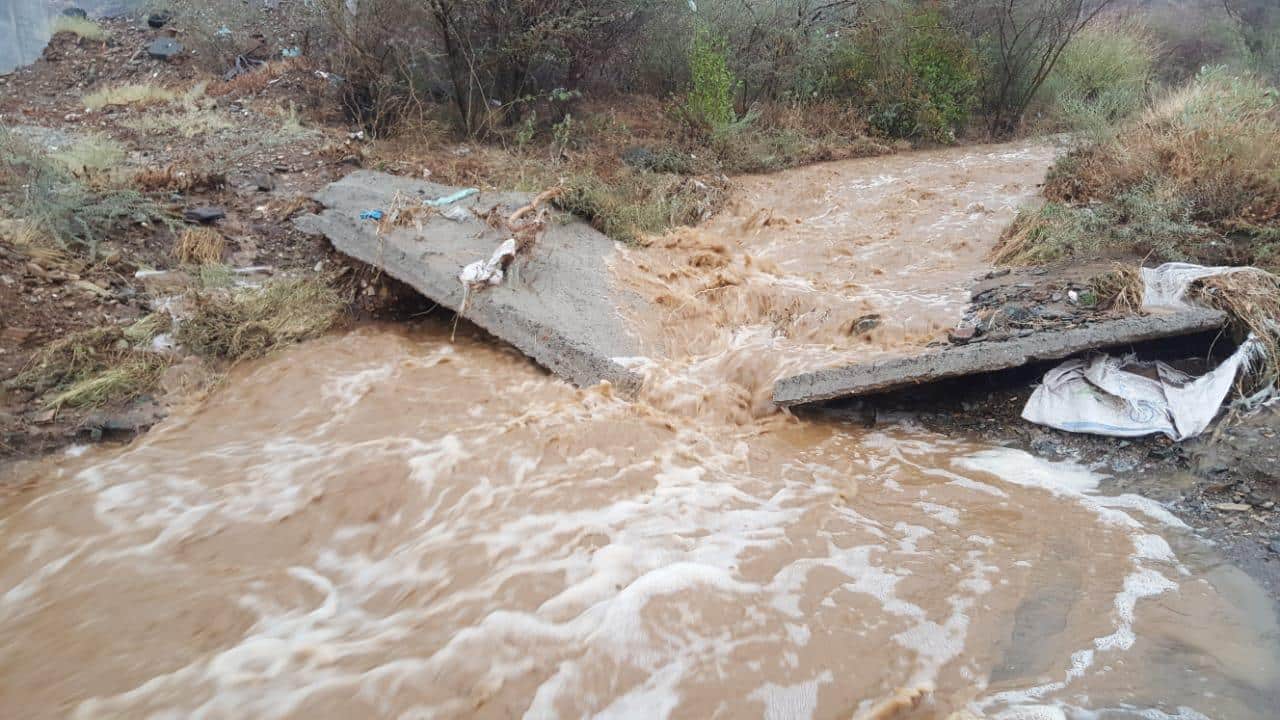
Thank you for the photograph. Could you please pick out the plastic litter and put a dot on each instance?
(489, 272)
(293, 52)
(371, 215)
(451, 199)
(457, 214)
(1104, 395)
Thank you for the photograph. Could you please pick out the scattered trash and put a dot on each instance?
(293, 52)
(1103, 395)
(371, 215)
(451, 199)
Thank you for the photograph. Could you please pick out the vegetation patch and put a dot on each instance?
(80, 27)
(633, 204)
(242, 323)
(199, 246)
(1194, 178)
(98, 366)
(74, 213)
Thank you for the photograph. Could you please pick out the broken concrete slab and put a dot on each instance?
(981, 357)
(557, 303)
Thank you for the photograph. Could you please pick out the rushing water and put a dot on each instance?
(386, 523)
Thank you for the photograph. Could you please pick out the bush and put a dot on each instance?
(75, 212)
(913, 74)
(709, 104)
(1101, 78)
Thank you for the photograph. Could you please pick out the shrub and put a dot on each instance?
(97, 366)
(710, 100)
(80, 27)
(634, 204)
(913, 74)
(1101, 78)
(70, 210)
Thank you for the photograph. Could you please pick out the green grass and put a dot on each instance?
(82, 27)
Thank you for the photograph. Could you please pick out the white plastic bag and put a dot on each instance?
(1103, 395)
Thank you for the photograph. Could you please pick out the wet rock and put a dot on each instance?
(266, 182)
(164, 49)
(1274, 545)
(203, 214)
(75, 12)
(866, 323)
(998, 273)
(962, 333)
(158, 20)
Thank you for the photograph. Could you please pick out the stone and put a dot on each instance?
(75, 12)
(866, 323)
(164, 48)
(203, 214)
(962, 333)
(1274, 545)
(266, 182)
(159, 19)
(1232, 507)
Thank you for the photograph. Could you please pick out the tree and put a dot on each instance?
(1023, 40)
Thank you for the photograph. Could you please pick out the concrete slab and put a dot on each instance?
(557, 304)
(955, 361)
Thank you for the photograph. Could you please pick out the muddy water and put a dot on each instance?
(388, 524)
(820, 266)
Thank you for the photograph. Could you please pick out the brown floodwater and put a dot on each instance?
(385, 523)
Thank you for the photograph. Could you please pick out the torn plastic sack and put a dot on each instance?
(1167, 286)
(489, 272)
(1103, 395)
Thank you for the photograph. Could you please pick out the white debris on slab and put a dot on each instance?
(489, 272)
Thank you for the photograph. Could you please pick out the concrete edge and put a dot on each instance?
(897, 373)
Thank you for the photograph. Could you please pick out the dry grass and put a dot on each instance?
(136, 94)
(236, 324)
(95, 367)
(1213, 145)
(171, 178)
(253, 83)
(1120, 289)
(81, 27)
(95, 157)
(1251, 297)
(199, 246)
(1193, 178)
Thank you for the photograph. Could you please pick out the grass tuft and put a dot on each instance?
(199, 246)
(1251, 297)
(81, 27)
(633, 204)
(95, 367)
(237, 324)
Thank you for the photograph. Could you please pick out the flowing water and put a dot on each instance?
(389, 524)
